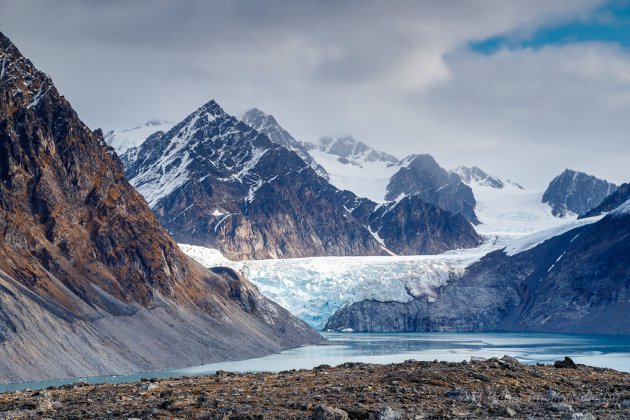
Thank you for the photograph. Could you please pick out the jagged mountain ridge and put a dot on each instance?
(351, 151)
(576, 282)
(352, 165)
(91, 283)
(576, 192)
(217, 182)
(267, 124)
(477, 176)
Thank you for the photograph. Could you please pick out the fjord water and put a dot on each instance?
(382, 348)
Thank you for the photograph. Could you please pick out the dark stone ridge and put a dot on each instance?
(578, 282)
(610, 203)
(217, 182)
(421, 175)
(576, 192)
(90, 283)
(412, 225)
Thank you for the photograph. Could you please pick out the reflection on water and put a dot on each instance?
(603, 351)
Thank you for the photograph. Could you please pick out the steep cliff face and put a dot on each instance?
(576, 282)
(576, 192)
(421, 175)
(85, 265)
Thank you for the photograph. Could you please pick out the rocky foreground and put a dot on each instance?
(495, 388)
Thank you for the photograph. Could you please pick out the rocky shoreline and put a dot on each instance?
(494, 388)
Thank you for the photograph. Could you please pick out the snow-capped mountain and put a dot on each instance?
(124, 140)
(421, 175)
(217, 182)
(574, 192)
(354, 166)
(91, 284)
(268, 125)
(479, 177)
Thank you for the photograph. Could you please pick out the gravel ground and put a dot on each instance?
(494, 388)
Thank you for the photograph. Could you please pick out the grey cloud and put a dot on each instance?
(397, 75)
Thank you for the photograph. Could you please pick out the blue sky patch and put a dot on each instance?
(610, 24)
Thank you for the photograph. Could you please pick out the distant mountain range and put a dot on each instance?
(251, 190)
(215, 181)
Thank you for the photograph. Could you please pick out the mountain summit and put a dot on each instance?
(217, 182)
(576, 192)
(268, 125)
(91, 283)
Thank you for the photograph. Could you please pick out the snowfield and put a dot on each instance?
(124, 140)
(364, 178)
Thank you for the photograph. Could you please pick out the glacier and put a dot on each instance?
(513, 219)
(315, 288)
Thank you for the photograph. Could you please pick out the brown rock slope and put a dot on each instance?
(90, 282)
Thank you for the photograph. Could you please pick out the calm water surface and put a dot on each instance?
(594, 350)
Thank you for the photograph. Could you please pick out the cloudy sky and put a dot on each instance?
(523, 89)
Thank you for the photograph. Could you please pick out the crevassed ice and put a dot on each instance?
(315, 288)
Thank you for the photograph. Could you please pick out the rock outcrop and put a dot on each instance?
(421, 175)
(576, 192)
(91, 283)
(410, 226)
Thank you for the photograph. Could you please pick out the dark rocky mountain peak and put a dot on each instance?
(268, 125)
(91, 282)
(220, 183)
(422, 175)
(576, 192)
(216, 181)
